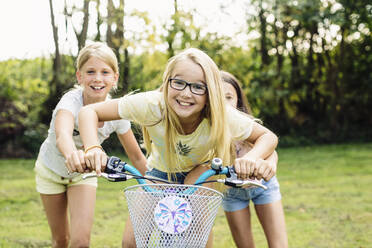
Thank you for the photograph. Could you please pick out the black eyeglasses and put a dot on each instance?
(196, 88)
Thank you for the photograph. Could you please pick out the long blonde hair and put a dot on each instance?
(214, 111)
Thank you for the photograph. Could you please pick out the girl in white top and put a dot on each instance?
(61, 157)
(185, 122)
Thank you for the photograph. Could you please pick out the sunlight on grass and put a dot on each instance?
(326, 197)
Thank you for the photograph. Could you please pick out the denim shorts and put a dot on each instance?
(238, 198)
(178, 177)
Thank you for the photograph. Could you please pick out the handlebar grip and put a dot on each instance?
(114, 165)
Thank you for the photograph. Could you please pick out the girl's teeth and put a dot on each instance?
(185, 103)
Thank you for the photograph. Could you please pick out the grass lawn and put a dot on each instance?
(327, 198)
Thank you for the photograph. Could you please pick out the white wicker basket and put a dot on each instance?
(172, 215)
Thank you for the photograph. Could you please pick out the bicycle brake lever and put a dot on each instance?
(109, 177)
(237, 183)
(234, 181)
(248, 183)
(93, 174)
(118, 177)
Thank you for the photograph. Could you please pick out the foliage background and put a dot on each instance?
(306, 71)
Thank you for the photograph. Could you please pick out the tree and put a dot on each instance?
(115, 39)
(81, 36)
(56, 82)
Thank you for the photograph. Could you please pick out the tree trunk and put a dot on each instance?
(124, 70)
(126, 67)
(264, 55)
(99, 22)
(173, 31)
(54, 84)
(116, 41)
(110, 16)
(279, 57)
(82, 37)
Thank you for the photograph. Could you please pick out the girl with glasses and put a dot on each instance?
(185, 123)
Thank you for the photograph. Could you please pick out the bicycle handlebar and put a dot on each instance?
(116, 169)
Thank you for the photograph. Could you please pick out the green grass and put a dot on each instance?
(327, 198)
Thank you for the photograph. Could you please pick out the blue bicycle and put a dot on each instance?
(164, 214)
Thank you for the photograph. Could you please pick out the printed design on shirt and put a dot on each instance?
(183, 149)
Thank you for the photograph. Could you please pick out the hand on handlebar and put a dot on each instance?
(75, 162)
(264, 170)
(244, 167)
(247, 168)
(96, 159)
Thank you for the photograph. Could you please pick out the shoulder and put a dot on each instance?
(73, 96)
(75, 93)
(71, 101)
(144, 107)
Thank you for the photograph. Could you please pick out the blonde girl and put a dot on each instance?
(186, 123)
(67, 199)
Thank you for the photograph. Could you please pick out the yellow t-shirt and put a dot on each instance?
(146, 109)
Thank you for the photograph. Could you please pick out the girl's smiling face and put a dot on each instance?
(187, 105)
(97, 79)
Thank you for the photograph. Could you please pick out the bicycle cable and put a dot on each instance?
(143, 177)
(210, 181)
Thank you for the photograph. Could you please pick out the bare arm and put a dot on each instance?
(64, 127)
(89, 116)
(133, 151)
(264, 143)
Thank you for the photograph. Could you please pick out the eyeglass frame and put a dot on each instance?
(188, 84)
